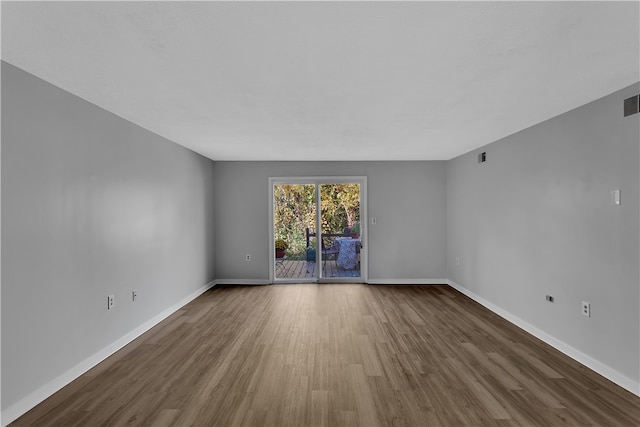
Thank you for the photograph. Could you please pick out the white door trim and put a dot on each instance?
(318, 180)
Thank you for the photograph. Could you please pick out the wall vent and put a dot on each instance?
(631, 105)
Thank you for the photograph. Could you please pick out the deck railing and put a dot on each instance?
(309, 235)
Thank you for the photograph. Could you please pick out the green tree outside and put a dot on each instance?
(295, 211)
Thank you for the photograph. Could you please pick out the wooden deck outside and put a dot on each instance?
(302, 269)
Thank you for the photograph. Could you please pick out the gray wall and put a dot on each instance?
(407, 198)
(92, 205)
(536, 219)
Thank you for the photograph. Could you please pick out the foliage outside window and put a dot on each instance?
(295, 211)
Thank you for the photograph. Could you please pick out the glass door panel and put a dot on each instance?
(340, 230)
(294, 231)
(320, 225)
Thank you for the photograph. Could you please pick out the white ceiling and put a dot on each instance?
(329, 80)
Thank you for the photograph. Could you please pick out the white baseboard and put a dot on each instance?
(31, 400)
(241, 282)
(408, 282)
(599, 367)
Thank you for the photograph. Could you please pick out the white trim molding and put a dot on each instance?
(591, 363)
(31, 400)
(251, 282)
(408, 282)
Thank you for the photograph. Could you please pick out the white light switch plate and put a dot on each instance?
(615, 197)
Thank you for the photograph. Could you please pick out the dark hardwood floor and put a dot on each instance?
(337, 355)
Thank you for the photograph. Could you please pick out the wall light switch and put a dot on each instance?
(615, 197)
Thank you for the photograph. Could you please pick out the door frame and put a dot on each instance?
(317, 181)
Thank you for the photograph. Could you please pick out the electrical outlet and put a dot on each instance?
(134, 295)
(457, 261)
(111, 301)
(248, 257)
(549, 298)
(586, 309)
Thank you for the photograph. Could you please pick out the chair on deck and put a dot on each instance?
(328, 249)
(280, 264)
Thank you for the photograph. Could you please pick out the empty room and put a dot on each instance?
(309, 213)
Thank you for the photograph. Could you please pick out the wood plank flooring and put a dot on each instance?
(337, 355)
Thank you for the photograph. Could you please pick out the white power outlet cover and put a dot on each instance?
(111, 301)
(586, 309)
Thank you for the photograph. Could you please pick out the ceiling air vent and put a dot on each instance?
(631, 105)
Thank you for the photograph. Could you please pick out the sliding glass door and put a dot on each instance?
(294, 225)
(341, 243)
(317, 229)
